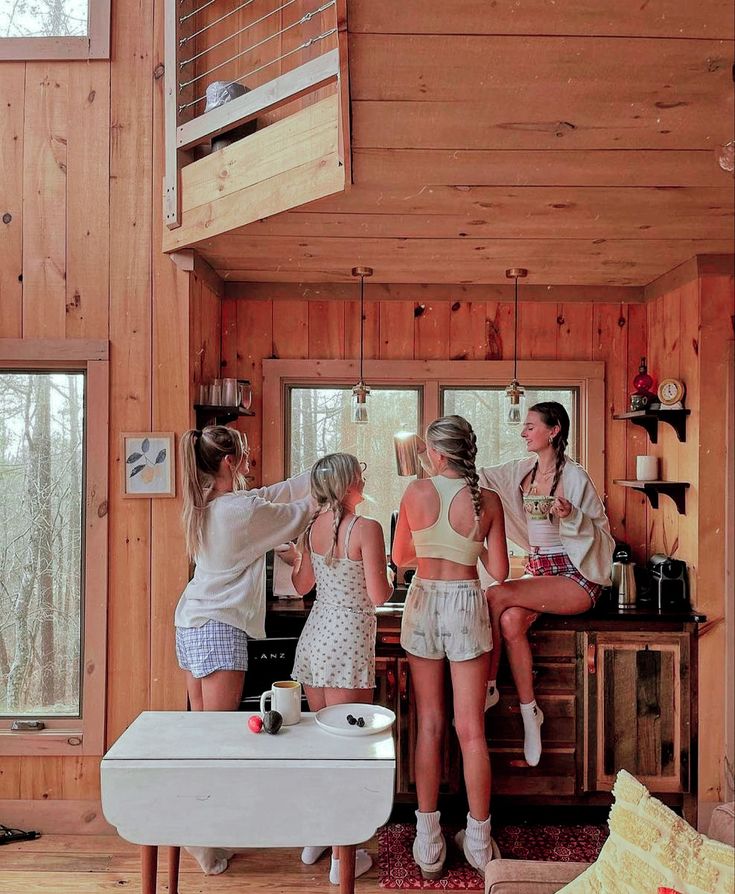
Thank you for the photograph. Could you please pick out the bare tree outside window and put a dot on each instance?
(41, 524)
(320, 422)
(44, 18)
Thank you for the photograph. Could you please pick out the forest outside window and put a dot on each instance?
(52, 558)
(54, 29)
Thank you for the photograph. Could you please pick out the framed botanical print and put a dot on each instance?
(149, 464)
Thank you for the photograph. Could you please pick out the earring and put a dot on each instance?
(551, 439)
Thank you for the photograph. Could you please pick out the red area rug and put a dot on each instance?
(568, 843)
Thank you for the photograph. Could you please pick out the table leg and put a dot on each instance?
(347, 869)
(149, 868)
(174, 855)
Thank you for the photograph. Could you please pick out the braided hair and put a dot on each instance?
(202, 451)
(453, 437)
(332, 476)
(553, 413)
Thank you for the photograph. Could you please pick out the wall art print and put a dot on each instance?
(149, 464)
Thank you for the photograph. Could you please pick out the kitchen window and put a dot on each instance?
(53, 547)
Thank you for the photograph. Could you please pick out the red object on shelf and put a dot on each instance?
(643, 383)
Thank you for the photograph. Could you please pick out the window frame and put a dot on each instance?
(83, 735)
(94, 45)
(431, 376)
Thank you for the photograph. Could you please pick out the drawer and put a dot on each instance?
(548, 676)
(553, 643)
(555, 774)
(503, 724)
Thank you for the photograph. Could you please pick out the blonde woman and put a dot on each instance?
(344, 554)
(228, 531)
(445, 524)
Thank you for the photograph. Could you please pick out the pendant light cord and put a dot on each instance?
(362, 320)
(515, 334)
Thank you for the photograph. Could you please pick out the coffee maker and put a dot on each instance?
(623, 576)
(669, 583)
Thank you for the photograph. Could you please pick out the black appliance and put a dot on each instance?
(669, 583)
(269, 660)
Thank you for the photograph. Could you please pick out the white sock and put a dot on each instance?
(212, 860)
(429, 836)
(492, 696)
(478, 847)
(311, 853)
(363, 862)
(532, 719)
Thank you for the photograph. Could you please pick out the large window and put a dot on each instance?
(41, 463)
(319, 423)
(53, 545)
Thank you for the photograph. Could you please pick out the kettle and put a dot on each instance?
(623, 578)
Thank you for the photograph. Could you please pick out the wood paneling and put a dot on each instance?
(12, 89)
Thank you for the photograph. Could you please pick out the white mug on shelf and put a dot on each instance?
(646, 468)
(285, 697)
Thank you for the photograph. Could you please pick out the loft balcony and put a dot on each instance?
(257, 112)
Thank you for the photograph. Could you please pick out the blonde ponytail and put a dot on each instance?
(331, 478)
(453, 437)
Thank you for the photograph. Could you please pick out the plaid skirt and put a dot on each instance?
(213, 646)
(559, 563)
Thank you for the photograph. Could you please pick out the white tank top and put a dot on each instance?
(544, 535)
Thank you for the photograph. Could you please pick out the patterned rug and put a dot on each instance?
(532, 841)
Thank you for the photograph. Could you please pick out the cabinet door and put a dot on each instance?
(637, 716)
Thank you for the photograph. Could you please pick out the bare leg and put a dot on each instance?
(514, 624)
(553, 594)
(222, 690)
(468, 687)
(194, 691)
(427, 676)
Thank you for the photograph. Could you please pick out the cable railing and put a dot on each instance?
(230, 63)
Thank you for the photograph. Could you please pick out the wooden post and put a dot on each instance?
(148, 868)
(347, 869)
(174, 856)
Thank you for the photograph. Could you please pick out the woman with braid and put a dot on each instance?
(445, 524)
(345, 556)
(570, 552)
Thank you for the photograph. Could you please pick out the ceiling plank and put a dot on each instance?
(665, 18)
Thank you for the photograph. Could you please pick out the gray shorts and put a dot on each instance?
(213, 646)
(446, 618)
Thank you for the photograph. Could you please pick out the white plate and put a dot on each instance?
(334, 719)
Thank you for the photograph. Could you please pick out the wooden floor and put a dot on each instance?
(99, 864)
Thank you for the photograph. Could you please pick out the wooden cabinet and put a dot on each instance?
(637, 716)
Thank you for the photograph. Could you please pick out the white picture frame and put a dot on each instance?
(148, 464)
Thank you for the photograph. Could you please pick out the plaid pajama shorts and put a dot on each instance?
(559, 563)
(213, 646)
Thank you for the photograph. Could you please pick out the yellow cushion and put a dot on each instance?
(649, 846)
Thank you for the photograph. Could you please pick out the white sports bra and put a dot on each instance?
(440, 540)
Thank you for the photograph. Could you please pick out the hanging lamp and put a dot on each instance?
(361, 391)
(515, 396)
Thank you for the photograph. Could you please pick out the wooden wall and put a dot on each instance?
(80, 162)
(425, 329)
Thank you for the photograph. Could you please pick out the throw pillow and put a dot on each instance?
(651, 847)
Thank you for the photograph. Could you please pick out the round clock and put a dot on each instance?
(671, 392)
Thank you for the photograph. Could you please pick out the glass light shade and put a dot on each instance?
(515, 403)
(359, 403)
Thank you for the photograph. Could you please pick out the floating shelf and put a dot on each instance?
(674, 489)
(649, 420)
(218, 415)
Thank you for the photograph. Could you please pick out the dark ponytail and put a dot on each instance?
(553, 413)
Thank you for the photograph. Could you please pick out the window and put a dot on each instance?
(320, 422)
(54, 29)
(53, 549)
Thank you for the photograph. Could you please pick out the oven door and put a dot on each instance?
(269, 660)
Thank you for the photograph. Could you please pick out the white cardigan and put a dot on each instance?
(585, 532)
(239, 529)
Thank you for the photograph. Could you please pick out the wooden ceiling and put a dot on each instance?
(576, 139)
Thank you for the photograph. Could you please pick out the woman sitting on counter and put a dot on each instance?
(444, 524)
(553, 511)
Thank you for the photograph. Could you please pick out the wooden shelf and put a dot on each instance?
(674, 489)
(218, 415)
(649, 420)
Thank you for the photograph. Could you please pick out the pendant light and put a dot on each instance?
(361, 391)
(515, 396)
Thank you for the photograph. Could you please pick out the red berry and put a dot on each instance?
(255, 723)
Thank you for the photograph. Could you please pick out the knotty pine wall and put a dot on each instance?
(80, 178)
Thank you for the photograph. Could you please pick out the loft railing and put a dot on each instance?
(285, 53)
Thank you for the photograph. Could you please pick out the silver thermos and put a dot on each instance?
(623, 576)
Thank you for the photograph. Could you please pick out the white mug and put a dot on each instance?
(285, 697)
(646, 468)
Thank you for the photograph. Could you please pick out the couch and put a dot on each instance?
(535, 877)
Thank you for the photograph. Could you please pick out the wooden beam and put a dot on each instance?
(671, 280)
(68, 350)
(287, 87)
(191, 261)
(626, 18)
(429, 292)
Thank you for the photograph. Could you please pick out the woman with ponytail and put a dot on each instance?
(345, 556)
(570, 552)
(228, 531)
(445, 524)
